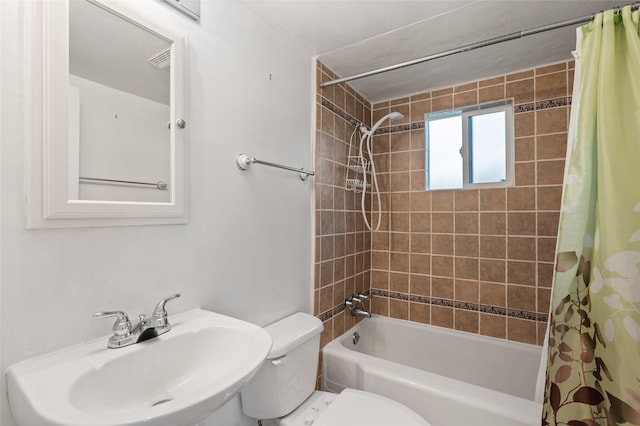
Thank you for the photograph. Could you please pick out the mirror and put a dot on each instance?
(119, 98)
(108, 146)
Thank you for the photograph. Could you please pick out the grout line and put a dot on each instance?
(362, 277)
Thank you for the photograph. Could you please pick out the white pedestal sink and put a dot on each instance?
(176, 379)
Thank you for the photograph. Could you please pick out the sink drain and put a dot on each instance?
(162, 401)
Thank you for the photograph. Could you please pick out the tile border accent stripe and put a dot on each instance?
(541, 105)
(467, 306)
(339, 112)
(417, 125)
(436, 301)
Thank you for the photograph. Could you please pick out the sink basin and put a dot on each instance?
(176, 379)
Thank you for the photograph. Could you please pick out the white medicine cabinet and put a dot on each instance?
(107, 116)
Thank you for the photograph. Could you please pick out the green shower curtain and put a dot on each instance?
(593, 367)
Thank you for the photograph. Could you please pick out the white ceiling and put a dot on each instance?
(351, 37)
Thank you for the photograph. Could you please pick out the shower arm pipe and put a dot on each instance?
(469, 47)
(243, 161)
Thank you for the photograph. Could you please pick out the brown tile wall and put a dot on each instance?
(474, 260)
(342, 242)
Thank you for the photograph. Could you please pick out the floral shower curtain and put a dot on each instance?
(593, 368)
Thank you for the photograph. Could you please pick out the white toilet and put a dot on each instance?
(282, 392)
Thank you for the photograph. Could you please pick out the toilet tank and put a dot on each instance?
(288, 375)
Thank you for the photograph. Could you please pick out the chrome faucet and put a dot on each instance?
(352, 303)
(124, 334)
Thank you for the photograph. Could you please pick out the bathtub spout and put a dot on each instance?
(355, 300)
(360, 313)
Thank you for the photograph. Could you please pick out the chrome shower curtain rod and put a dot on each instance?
(469, 47)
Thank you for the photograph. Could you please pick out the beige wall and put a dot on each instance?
(474, 260)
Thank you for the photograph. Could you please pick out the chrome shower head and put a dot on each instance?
(391, 116)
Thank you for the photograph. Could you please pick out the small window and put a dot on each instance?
(470, 147)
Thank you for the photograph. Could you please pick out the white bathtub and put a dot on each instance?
(451, 378)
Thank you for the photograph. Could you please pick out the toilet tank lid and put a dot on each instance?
(292, 331)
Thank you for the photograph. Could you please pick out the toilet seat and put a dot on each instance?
(351, 408)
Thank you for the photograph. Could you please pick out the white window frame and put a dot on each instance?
(466, 113)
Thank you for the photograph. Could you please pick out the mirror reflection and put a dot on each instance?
(119, 108)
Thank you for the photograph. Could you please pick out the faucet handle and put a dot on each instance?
(159, 315)
(359, 298)
(122, 326)
(362, 297)
(159, 310)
